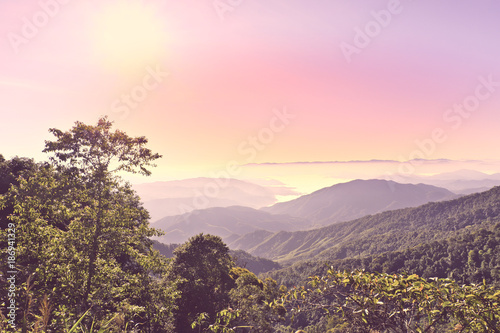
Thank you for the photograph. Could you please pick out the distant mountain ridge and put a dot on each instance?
(463, 181)
(227, 222)
(245, 228)
(387, 231)
(351, 200)
(169, 198)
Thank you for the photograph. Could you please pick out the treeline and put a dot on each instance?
(84, 262)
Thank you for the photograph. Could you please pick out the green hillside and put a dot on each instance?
(387, 231)
(470, 256)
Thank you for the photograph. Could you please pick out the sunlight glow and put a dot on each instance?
(127, 35)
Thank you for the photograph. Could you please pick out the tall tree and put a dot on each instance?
(83, 235)
(95, 154)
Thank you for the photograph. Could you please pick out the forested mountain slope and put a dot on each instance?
(468, 257)
(358, 198)
(387, 231)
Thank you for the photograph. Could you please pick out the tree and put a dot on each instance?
(95, 154)
(84, 235)
(203, 266)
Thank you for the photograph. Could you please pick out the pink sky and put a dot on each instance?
(225, 78)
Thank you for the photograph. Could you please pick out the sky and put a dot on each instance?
(226, 87)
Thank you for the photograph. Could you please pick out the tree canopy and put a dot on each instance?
(85, 259)
(82, 233)
(203, 266)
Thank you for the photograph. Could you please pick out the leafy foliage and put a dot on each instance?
(216, 296)
(166, 250)
(203, 266)
(10, 171)
(83, 235)
(398, 303)
(95, 150)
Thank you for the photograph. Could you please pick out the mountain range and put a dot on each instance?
(230, 223)
(463, 181)
(458, 239)
(348, 201)
(245, 227)
(438, 233)
(176, 197)
(170, 198)
(387, 231)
